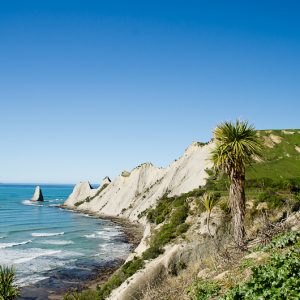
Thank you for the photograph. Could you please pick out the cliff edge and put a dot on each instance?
(130, 194)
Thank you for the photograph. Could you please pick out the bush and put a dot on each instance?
(174, 212)
(224, 205)
(152, 252)
(278, 279)
(291, 184)
(132, 266)
(281, 241)
(8, 291)
(105, 289)
(160, 213)
(273, 199)
(172, 229)
(202, 290)
(85, 295)
(127, 270)
(166, 205)
(79, 203)
(182, 228)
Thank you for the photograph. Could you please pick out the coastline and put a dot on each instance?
(133, 233)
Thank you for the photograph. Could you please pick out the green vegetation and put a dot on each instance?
(125, 174)
(89, 199)
(103, 187)
(281, 241)
(203, 289)
(79, 203)
(103, 291)
(281, 160)
(127, 270)
(209, 200)
(8, 291)
(174, 227)
(84, 295)
(172, 211)
(166, 205)
(277, 278)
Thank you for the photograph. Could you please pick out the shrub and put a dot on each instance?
(202, 290)
(8, 291)
(174, 212)
(127, 270)
(273, 199)
(159, 219)
(224, 205)
(85, 295)
(79, 203)
(105, 289)
(172, 229)
(182, 228)
(132, 266)
(152, 252)
(281, 241)
(161, 211)
(278, 279)
(125, 174)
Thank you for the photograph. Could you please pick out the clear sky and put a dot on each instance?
(90, 88)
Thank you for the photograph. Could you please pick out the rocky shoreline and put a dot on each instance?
(85, 274)
(133, 231)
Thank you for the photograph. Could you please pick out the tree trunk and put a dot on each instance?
(237, 201)
(207, 221)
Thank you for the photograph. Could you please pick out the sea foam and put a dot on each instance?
(56, 242)
(46, 234)
(31, 203)
(9, 245)
(36, 255)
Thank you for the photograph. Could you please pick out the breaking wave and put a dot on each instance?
(31, 203)
(46, 234)
(9, 245)
(56, 242)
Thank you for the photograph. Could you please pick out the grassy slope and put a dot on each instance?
(280, 162)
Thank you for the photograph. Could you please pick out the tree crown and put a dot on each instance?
(237, 144)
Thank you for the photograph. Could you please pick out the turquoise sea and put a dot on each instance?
(51, 247)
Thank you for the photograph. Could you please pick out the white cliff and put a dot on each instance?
(128, 196)
(106, 180)
(80, 192)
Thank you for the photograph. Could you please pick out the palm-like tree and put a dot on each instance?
(236, 145)
(209, 202)
(8, 291)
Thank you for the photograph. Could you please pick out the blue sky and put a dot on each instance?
(89, 88)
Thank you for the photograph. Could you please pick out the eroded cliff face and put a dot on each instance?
(130, 194)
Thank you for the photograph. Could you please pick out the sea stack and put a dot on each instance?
(38, 195)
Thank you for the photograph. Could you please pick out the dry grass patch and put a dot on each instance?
(172, 287)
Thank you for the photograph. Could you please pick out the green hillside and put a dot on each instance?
(281, 155)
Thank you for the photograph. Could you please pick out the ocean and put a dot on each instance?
(50, 247)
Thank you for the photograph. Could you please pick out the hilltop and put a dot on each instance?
(281, 155)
